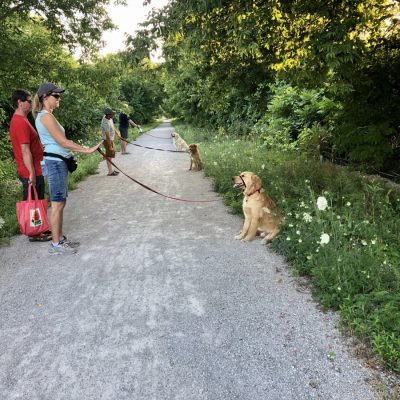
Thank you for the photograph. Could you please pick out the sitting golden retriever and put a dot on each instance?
(261, 215)
(195, 160)
(179, 143)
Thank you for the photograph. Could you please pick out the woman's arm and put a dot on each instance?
(51, 124)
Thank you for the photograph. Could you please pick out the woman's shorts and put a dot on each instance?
(57, 177)
(110, 149)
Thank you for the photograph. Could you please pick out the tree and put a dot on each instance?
(73, 22)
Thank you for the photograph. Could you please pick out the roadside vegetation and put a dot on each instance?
(341, 229)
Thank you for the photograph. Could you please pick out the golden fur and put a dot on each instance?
(179, 143)
(261, 215)
(195, 160)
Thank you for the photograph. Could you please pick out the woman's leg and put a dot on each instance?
(56, 218)
(58, 189)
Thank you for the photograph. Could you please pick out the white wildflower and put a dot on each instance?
(373, 241)
(263, 166)
(300, 241)
(288, 238)
(2, 222)
(322, 203)
(307, 217)
(215, 163)
(298, 232)
(364, 242)
(324, 239)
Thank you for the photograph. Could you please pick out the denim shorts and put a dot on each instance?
(57, 177)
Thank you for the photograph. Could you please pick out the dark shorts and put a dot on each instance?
(39, 187)
(57, 176)
(124, 132)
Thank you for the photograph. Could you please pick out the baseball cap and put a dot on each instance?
(49, 87)
(109, 111)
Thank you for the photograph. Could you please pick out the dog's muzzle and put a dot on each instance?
(238, 185)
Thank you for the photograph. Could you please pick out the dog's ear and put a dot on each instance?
(255, 185)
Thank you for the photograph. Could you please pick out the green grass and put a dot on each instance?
(358, 271)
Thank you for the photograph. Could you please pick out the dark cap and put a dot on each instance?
(47, 88)
(109, 111)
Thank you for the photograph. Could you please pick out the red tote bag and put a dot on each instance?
(32, 214)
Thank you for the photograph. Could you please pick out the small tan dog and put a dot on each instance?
(179, 143)
(261, 215)
(195, 160)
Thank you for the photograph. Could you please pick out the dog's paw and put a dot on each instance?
(238, 237)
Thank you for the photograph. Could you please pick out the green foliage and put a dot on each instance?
(141, 89)
(347, 55)
(71, 22)
(296, 119)
(349, 246)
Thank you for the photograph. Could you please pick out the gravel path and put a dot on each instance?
(161, 302)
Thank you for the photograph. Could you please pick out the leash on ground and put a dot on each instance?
(151, 148)
(149, 188)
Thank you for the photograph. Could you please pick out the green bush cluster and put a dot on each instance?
(340, 229)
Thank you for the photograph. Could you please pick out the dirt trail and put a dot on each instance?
(161, 302)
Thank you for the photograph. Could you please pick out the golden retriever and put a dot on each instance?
(195, 160)
(261, 215)
(179, 143)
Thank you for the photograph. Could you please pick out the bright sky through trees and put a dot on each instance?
(127, 18)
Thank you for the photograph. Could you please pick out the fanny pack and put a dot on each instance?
(72, 165)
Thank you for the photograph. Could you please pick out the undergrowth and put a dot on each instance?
(340, 229)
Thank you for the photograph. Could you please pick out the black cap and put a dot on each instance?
(47, 88)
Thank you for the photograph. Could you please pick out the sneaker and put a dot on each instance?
(62, 248)
(72, 244)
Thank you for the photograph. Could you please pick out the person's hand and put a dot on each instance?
(93, 148)
(32, 179)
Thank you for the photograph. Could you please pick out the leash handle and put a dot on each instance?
(149, 188)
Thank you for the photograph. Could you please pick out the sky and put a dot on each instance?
(127, 18)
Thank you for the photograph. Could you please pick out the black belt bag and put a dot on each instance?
(72, 165)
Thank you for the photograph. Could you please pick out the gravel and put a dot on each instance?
(161, 302)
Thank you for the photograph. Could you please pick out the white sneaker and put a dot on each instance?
(72, 244)
(62, 248)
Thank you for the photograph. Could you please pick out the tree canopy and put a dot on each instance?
(222, 56)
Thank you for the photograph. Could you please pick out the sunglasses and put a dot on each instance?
(55, 95)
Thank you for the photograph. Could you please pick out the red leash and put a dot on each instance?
(149, 188)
